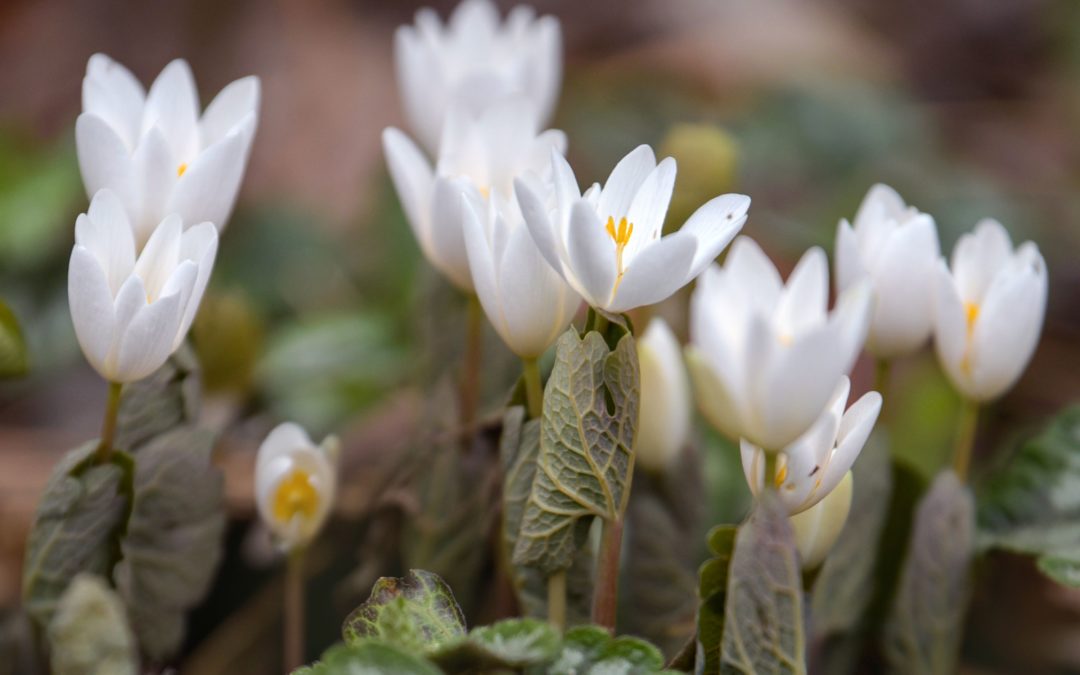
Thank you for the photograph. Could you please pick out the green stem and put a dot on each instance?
(556, 587)
(965, 438)
(770, 470)
(470, 377)
(108, 426)
(534, 391)
(882, 369)
(294, 610)
(606, 593)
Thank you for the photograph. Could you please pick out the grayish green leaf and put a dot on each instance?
(510, 644)
(14, 361)
(845, 585)
(586, 440)
(590, 650)
(174, 537)
(417, 612)
(74, 530)
(369, 658)
(168, 398)
(712, 596)
(763, 614)
(924, 628)
(89, 634)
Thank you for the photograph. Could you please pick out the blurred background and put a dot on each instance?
(323, 311)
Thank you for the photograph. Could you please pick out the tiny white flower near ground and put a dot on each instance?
(479, 156)
(664, 418)
(155, 152)
(809, 468)
(607, 242)
(295, 482)
(764, 357)
(132, 310)
(895, 247)
(473, 61)
(989, 309)
(817, 528)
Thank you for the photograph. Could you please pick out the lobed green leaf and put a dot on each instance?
(369, 658)
(417, 612)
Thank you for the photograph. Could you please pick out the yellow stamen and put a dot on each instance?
(621, 236)
(786, 339)
(485, 191)
(295, 496)
(781, 475)
(971, 314)
(181, 169)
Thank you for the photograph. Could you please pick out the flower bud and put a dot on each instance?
(295, 481)
(664, 419)
(818, 528)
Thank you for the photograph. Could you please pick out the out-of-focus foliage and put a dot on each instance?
(228, 335)
(13, 356)
(713, 593)
(418, 613)
(169, 398)
(89, 633)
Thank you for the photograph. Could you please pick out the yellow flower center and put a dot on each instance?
(181, 169)
(295, 496)
(781, 475)
(621, 236)
(971, 313)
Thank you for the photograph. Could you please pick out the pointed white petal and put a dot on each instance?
(229, 109)
(903, 288)
(847, 267)
(148, 340)
(752, 272)
(977, 258)
(160, 256)
(158, 169)
(950, 328)
(804, 299)
(656, 273)
(623, 183)
(649, 207)
(412, 176)
(173, 105)
(199, 245)
(91, 305)
(105, 163)
(714, 225)
(536, 302)
(207, 190)
(591, 255)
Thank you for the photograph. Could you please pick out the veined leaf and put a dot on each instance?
(369, 658)
(586, 448)
(89, 634)
(510, 644)
(417, 612)
(590, 650)
(13, 356)
(712, 596)
(168, 398)
(763, 615)
(924, 629)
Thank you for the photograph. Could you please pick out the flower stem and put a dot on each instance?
(534, 392)
(470, 376)
(882, 370)
(606, 594)
(294, 610)
(770, 470)
(965, 438)
(108, 426)
(556, 588)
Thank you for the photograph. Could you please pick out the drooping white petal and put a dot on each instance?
(91, 304)
(817, 529)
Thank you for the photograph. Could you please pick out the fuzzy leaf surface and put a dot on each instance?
(89, 634)
(417, 612)
(170, 397)
(369, 658)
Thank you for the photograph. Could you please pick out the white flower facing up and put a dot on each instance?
(817, 528)
(815, 463)
(155, 152)
(664, 420)
(295, 482)
(989, 311)
(480, 156)
(764, 357)
(131, 311)
(896, 248)
(474, 61)
(607, 243)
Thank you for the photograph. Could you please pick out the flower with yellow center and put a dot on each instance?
(607, 242)
(988, 311)
(294, 484)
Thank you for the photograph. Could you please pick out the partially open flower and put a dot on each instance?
(989, 311)
(295, 481)
(607, 242)
(764, 357)
(131, 312)
(474, 61)
(664, 420)
(818, 528)
(155, 152)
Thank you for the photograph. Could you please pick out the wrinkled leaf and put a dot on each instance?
(590, 650)
(174, 537)
(168, 398)
(586, 440)
(924, 629)
(1032, 503)
(369, 658)
(513, 643)
(712, 595)
(14, 360)
(74, 529)
(89, 634)
(417, 612)
(763, 615)
(845, 585)
(518, 448)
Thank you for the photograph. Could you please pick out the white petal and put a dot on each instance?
(903, 289)
(714, 225)
(716, 398)
(447, 233)
(91, 305)
(284, 440)
(591, 255)
(173, 105)
(412, 176)
(817, 529)
(880, 204)
(207, 190)
(536, 302)
(160, 256)
(104, 230)
(977, 258)
(664, 424)
(148, 340)
(199, 245)
(649, 207)
(753, 273)
(481, 263)
(950, 328)
(855, 428)
(229, 110)
(847, 266)
(158, 170)
(803, 301)
(105, 163)
(623, 183)
(541, 228)
(111, 92)
(657, 272)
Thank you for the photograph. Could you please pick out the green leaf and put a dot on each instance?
(74, 529)
(174, 536)
(14, 361)
(845, 586)
(924, 629)
(586, 440)
(513, 644)
(168, 398)
(590, 650)
(763, 615)
(712, 595)
(369, 658)
(417, 612)
(1032, 503)
(89, 634)
(518, 448)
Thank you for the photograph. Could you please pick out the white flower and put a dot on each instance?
(896, 248)
(664, 420)
(607, 244)
(131, 314)
(295, 481)
(526, 301)
(817, 528)
(155, 152)
(989, 311)
(765, 358)
(480, 155)
(811, 466)
(473, 62)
